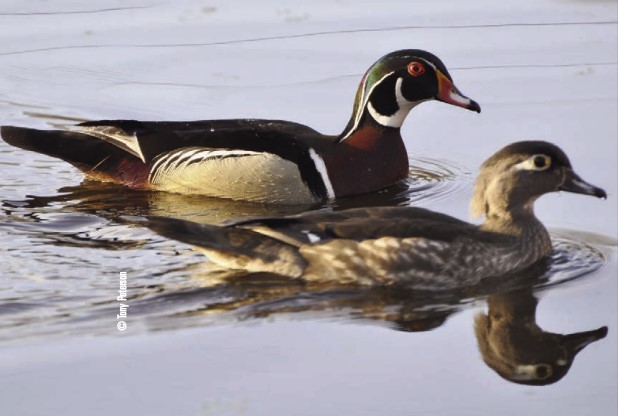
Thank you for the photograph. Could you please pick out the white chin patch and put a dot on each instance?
(404, 106)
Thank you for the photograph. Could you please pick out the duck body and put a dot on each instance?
(367, 246)
(428, 250)
(270, 161)
(402, 245)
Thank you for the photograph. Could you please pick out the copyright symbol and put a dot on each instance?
(121, 325)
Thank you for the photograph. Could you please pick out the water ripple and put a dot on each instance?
(70, 280)
(432, 179)
(574, 256)
(429, 180)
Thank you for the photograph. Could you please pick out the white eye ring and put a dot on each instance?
(535, 162)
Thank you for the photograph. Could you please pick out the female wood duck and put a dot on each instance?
(403, 245)
(268, 161)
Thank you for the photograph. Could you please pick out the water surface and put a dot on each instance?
(201, 341)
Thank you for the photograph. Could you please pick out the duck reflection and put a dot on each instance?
(112, 201)
(509, 339)
(231, 297)
(515, 347)
(428, 179)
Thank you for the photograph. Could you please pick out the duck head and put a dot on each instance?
(513, 178)
(515, 347)
(398, 82)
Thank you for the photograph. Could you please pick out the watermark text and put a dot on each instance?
(122, 297)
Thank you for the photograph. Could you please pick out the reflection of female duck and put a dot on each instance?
(514, 345)
(404, 245)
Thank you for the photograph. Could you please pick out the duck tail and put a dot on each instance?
(96, 158)
(79, 149)
(233, 247)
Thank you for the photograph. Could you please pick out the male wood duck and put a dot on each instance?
(513, 344)
(403, 245)
(269, 161)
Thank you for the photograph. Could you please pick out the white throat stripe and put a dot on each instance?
(404, 106)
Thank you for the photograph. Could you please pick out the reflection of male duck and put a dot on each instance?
(111, 201)
(514, 345)
(404, 245)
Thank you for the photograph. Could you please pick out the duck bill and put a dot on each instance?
(448, 93)
(580, 340)
(573, 183)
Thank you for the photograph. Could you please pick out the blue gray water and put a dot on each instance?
(200, 341)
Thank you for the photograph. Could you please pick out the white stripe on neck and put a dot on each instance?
(364, 99)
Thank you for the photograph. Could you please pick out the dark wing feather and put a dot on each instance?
(364, 229)
(392, 213)
(366, 223)
(283, 138)
(234, 248)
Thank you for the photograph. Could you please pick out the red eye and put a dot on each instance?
(416, 68)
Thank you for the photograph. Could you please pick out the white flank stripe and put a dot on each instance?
(189, 152)
(200, 154)
(164, 163)
(160, 159)
(220, 153)
(184, 158)
(155, 169)
(321, 168)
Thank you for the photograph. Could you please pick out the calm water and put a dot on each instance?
(202, 341)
